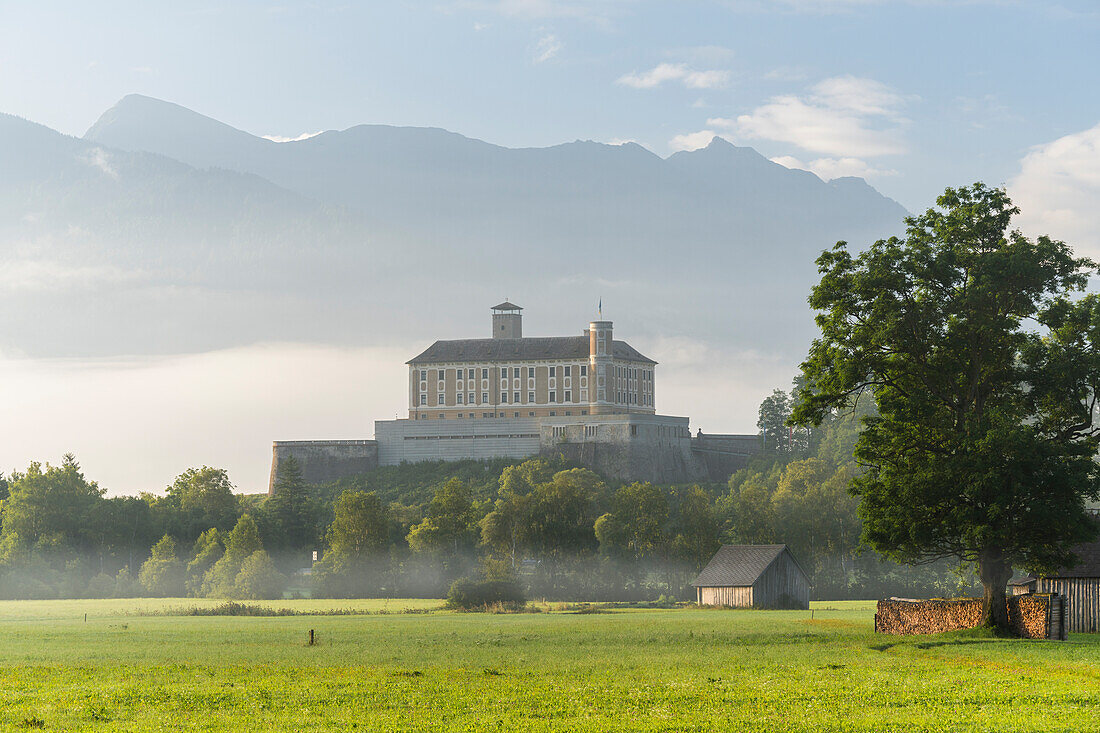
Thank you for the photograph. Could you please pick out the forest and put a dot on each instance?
(556, 530)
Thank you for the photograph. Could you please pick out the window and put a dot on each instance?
(470, 375)
(552, 413)
(590, 431)
(584, 370)
(568, 396)
(517, 414)
(553, 371)
(470, 400)
(515, 373)
(504, 398)
(553, 396)
(423, 399)
(634, 431)
(484, 373)
(458, 398)
(559, 431)
(531, 414)
(515, 398)
(584, 412)
(568, 412)
(484, 398)
(441, 416)
(568, 371)
(460, 416)
(530, 396)
(530, 372)
(442, 399)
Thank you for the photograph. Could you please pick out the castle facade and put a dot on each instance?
(588, 398)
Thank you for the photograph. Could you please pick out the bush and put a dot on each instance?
(467, 594)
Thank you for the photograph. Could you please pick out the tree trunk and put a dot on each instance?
(995, 572)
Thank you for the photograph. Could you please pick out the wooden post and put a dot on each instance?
(311, 637)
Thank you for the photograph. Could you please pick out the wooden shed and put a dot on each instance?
(756, 576)
(1079, 586)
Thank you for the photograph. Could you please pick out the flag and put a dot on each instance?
(601, 307)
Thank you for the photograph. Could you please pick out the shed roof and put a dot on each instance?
(521, 349)
(736, 565)
(1088, 565)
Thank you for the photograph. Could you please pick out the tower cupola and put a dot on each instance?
(507, 321)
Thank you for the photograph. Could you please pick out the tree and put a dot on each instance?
(358, 539)
(983, 445)
(774, 413)
(47, 511)
(258, 579)
(291, 510)
(163, 574)
(203, 498)
(242, 542)
(208, 550)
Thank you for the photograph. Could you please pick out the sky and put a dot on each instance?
(912, 95)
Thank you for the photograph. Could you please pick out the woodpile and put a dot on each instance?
(1029, 616)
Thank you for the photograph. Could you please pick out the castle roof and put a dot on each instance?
(521, 349)
(507, 306)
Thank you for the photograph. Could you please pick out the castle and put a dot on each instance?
(588, 398)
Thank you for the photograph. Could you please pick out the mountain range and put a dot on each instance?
(162, 230)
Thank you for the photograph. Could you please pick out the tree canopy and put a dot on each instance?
(984, 368)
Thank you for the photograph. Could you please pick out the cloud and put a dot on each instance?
(101, 159)
(38, 275)
(546, 48)
(690, 78)
(1058, 191)
(843, 117)
(829, 168)
(282, 139)
(693, 140)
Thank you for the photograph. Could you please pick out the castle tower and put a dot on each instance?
(507, 321)
(600, 368)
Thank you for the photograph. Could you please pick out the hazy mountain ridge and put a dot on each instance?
(354, 236)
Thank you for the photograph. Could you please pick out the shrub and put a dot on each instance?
(467, 594)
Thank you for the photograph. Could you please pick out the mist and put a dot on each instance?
(134, 423)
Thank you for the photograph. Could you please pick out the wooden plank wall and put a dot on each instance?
(736, 596)
(782, 578)
(1082, 599)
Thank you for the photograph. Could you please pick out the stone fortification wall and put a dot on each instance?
(723, 455)
(322, 461)
(653, 448)
(1029, 615)
(413, 441)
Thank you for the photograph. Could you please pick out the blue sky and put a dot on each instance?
(913, 95)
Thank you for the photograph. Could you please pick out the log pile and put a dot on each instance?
(901, 616)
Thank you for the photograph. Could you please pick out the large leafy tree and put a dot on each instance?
(358, 544)
(48, 511)
(983, 444)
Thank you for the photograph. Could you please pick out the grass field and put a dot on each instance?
(641, 670)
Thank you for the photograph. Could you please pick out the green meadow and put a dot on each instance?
(429, 669)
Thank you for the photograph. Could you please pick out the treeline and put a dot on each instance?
(559, 531)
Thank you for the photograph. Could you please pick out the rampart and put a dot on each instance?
(322, 461)
(1031, 616)
(723, 455)
(629, 447)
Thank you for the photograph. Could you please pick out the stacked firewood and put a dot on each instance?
(905, 616)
